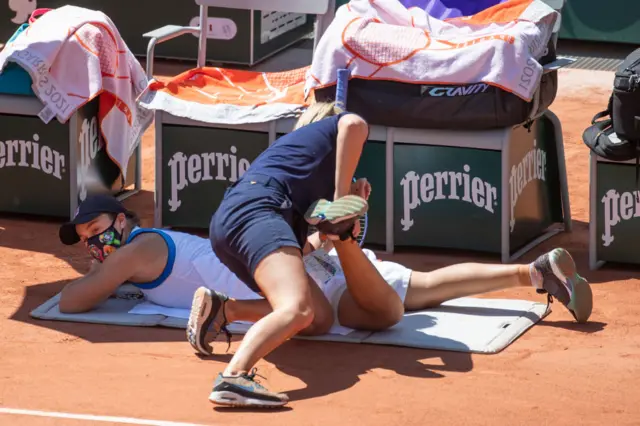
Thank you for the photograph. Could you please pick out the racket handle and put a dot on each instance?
(341, 88)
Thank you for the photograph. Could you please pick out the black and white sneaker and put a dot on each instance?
(207, 308)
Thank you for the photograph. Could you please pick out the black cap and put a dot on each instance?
(92, 207)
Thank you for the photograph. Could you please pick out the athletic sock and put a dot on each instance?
(536, 277)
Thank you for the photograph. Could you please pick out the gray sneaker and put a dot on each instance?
(561, 281)
(207, 308)
(245, 391)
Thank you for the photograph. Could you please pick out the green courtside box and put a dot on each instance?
(613, 21)
(614, 212)
(455, 196)
(47, 168)
(236, 36)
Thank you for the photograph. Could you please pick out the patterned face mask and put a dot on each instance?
(103, 244)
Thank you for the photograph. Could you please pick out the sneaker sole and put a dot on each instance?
(342, 209)
(581, 303)
(200, 320)
(231, 399)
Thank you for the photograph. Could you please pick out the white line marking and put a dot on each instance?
(126, 420)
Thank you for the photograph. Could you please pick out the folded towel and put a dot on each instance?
(225, 96)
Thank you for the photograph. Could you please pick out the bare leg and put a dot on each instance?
(287, 287)
(255, 309)
(429, 289)
(369, 302)
(246, 310)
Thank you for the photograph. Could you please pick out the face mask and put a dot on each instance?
(103, 244)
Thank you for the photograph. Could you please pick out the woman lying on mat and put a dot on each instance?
(365, 293)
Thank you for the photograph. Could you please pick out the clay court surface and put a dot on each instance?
(557, 373)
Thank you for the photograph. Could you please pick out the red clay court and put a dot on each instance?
(557, 373)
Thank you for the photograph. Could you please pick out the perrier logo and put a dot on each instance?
(207, 166)
(33, 154)
(445, 185)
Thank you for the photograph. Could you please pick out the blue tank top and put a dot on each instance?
(304, 161)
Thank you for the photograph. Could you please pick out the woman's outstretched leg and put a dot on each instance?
(554, 273)
(430, 289)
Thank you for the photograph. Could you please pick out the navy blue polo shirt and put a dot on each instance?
(303, 160)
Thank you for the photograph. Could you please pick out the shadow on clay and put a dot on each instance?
(334, 367)
(36, 295)
(39, 234)
(589, 327)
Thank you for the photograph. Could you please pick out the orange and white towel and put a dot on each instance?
(383, 40)
(226, 96)
(75, 54)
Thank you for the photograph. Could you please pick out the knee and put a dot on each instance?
(321, 324)
(391, 317)
(300, 315)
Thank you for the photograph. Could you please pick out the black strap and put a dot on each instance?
(601, 126)
(606, 113)
(599, 115)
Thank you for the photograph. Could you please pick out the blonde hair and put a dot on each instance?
(316, 112)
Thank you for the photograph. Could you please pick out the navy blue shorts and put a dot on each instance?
(254, 219)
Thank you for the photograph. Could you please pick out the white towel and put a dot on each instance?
(75, 54)
(383, 40)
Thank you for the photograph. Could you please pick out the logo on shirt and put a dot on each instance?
(195, 168)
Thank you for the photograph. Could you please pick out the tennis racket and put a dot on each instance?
(342, 86)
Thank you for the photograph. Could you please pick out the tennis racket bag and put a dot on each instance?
(476, 106)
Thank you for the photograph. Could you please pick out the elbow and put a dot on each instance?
(355, 127)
